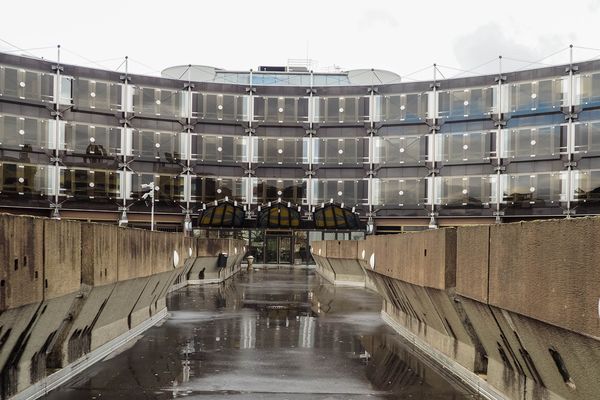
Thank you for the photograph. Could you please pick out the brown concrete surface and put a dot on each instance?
(472, 262)
(102, 281)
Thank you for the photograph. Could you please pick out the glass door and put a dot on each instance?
(271, 251)
(285, 250)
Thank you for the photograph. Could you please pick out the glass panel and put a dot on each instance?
(589, 90)
(524, 190)
(285, 250)
(28, 85)
(461, 191)
(219, 107)
(532, 142)
(97, 95)
(340, 151)
(23, 179)
(271, 249)
(171, 187)
(401, 150)
(458, 104)
(544, 95)
(151, 145)
(343, 109)
(150, 101)
(350, 192)
(257, 241)
(410, 107)
(461, 147)
(281, 109)
(300, 247)
(91, 140)
(282, 150)
(26, 134)
(209, 189)
(586, 137)
(288, 190)
(220, 149)
(406, 192)
(89, 184)
(586, 186)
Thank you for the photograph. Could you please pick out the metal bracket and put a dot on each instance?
(121, 208)
(434, 85)
(499, 168)
(571, 164)
(569, 212)
(571, 116)
(250, 131)
(187, 170)
(373, 90)
(372, 131)
(310, 173)
(433, 214)
(434, 128)
(58, 68)
(572, 68)
(56, 160)
(498, 213)
(249, 172)
(371, 173)
(56, 206)
(126, 121)
(433, 171)
(311, 132)
(250, 90)
(500, 78)
(124, 78)
(56, 114)
(187, 86)
(499, 123)
(311, 91)
(190, 127)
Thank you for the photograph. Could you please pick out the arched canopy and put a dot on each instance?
(333, 216)
(225, 214)
(278, 215)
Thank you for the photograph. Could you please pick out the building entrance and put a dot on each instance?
(278, 249)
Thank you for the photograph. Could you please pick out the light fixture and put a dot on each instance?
(465, 146)
(465, 191)
(157, 102)
(219, 191)
(341, 109)
(21, 180)
(466, 103)
(219, 149)
(401, 149)
(533, 142)
(21, 132)
(401, 192)
(92, 94)
(92, 184)
(340, 151)
(279, 193)
(532, 189)
(339, 193)
(157, 145)
(533, 95)
(402, 108)
(220, 107)
(280, 151)
(22, 84)
(92, 139)
(280, 109)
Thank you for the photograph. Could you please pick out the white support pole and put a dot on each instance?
(570, 128)
(499, 134)
(432, 219)
(55, 212)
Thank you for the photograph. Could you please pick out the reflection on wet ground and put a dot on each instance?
(276, 334)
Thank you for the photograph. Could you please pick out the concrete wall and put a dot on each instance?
(71, 287)
(515, 304)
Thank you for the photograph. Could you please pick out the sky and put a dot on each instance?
(462, 37)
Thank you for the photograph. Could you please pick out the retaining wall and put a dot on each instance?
(511, 308)
(70, 289)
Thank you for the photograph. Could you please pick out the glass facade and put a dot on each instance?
(468, 147)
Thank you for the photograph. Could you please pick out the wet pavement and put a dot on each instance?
(277, 334)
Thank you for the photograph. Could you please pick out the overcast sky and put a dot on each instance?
(401, 36)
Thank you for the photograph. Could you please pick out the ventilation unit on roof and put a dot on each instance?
(271, 68)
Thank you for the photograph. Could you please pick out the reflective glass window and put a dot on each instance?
(30, 85)
(462, 191)
(523, 190)
(92, 140)
(170, 187)
(151, 101)
(543, 95)
(281, 109)
(410, 107)
(100, 95)
(342, 109)
(288, 190)
(586, 186)
(281, 150)
(405, 192)
(472, 102)
(216, 106)
(23, 179)
(586, 137)
(340, 151)
(589, 89)
(351, 192)
(89, 184)
(400, 150)
(208, 189)
(23, 133)
(165, 146)
(532, 142)
(219, 148)
(463, 147)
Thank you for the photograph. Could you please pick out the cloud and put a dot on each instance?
(377, 18)
(488, 41)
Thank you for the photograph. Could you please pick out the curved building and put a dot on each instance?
(261, 153)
